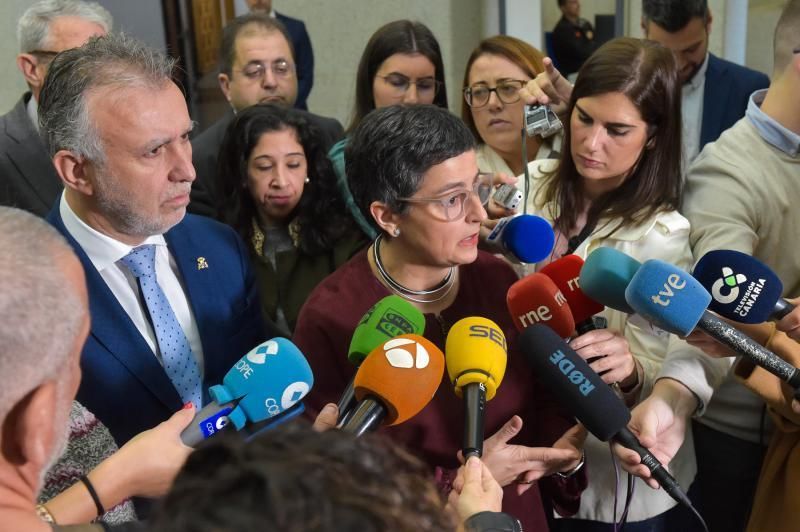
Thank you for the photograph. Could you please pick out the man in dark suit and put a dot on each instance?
(303, 53)
(172, 296)
(27, 177)
(256, 65)
(715, 91)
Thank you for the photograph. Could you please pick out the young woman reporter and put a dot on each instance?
(618, 184)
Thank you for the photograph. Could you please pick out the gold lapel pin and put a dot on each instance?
(202, 264)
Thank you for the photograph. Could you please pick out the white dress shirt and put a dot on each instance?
(692, 114)
(104, 252)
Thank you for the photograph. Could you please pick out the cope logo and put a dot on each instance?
(392, 323)
(726, 289)
(405, 353)
(259, 356)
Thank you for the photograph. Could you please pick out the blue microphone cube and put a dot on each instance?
(667, 296)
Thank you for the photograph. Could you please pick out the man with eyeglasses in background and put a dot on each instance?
(257, 65)
(28, 179)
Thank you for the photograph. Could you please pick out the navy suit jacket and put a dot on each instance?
(303, 57)
(727, 90)
(28, 179)
(123, 383)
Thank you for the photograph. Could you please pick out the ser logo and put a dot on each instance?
(728, 283)
(398, 354)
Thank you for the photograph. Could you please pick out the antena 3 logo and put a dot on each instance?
(728, 283)
(392, 323)
(405, 353)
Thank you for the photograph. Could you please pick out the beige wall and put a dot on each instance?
(340, 29)
(12, 85)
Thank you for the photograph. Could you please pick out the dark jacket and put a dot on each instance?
(303, 57)
(726, 93)
(28, 179)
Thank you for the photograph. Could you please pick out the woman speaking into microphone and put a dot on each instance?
(413, 172)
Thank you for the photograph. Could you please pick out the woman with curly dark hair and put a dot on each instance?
(278, 190)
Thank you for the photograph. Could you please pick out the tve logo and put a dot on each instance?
(730, 282)
(674, 281)
(259, 356)
(576, 377)
(398, 354)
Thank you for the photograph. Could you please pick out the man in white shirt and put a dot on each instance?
(172, 297)
(715, 91)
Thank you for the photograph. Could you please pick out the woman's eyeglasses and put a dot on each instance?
(507, 92)
(400, 84)
(452, 205)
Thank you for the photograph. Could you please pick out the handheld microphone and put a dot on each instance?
(743, 288)
(475, 355)
(267, 383)
(565, 273)
(389, 317)
(605, 276)
(676, 302)
(591, 400)
(522, 238)
(536, 299)
(395, 382)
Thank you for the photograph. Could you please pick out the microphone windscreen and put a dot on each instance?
(536, 299)
(667, 297)
(605, 276)
(475, 352)
(743, 288)
(389, 317)
(529, 238)
(573, 382)
(565, 273)
(268, 380)
(403, 373)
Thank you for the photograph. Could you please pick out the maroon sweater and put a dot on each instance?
(323, 332)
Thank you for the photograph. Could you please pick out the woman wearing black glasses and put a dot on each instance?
(401, 64)
(496, 71)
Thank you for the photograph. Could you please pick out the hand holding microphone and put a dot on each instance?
(263, 388)
(475, 355)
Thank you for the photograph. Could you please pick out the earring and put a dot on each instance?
(396, 231)
(307, 180)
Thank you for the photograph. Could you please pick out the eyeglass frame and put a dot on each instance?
(262, 69)
(437, 84)
(468, 92)
(483, 179)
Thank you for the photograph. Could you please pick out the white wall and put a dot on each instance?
(339, 30)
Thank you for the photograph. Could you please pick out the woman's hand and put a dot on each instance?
(610, 355)
(548, 88)
(148, 463)
(475, 490)
(510, 463)
(708, 345)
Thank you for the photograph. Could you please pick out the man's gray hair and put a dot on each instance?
(40, 312)
(114, 60)
(33, 28)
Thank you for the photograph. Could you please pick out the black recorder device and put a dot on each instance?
(541, 120)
